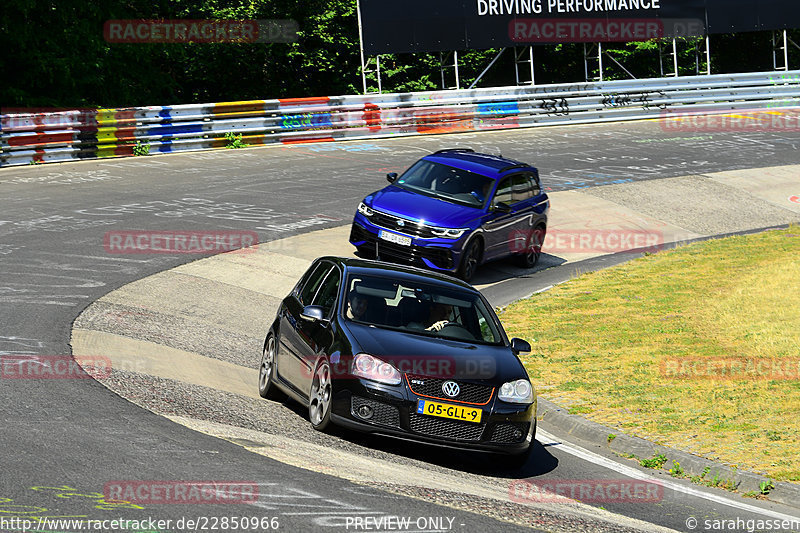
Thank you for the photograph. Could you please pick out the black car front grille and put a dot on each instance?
(510, 433)
(409, 227)
(413, 254)
(382, 414)
(446, 429)
(472, 393)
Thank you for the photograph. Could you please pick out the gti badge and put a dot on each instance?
(451, 388)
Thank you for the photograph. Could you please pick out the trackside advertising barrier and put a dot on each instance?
(44, 135)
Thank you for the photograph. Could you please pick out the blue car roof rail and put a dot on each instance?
(445, 150)
(512, 167)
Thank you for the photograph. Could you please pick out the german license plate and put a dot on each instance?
(395, 238)
(453, 412)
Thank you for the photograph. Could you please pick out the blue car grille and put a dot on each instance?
(413, 254)
(409, 227)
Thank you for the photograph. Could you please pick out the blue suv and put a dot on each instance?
(454, 210)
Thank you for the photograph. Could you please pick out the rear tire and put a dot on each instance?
(533, 249)
(266, 372)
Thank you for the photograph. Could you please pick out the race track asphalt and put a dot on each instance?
(77, 435)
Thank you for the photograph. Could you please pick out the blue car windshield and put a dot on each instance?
(421, 309)
(450, 184)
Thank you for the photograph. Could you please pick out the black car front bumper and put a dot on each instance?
(504, 428)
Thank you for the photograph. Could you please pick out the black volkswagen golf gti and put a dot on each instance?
(403, 352)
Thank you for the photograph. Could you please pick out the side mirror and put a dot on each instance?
(519, 345)
(313, 313)
(502, 207)
(391, 177)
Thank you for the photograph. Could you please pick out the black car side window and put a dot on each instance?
(326, 296)
(312, 284)
(503, 193)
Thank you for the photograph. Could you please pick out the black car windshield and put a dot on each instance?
(421, 309)
(451, 184)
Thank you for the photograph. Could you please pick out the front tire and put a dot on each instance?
(470, 260)
(319, 403)
(266, 371)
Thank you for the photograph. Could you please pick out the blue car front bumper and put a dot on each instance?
(435, 254)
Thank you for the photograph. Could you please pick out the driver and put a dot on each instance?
(483, 193)
(358, 306)
(439, 316)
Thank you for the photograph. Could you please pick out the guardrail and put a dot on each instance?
(32, 137)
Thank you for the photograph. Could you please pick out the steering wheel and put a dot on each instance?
(454, 329)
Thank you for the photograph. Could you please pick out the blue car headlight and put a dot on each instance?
(364, 210)
(519, 391)
(449, 233)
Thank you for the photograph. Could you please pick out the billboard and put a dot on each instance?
(441, 25)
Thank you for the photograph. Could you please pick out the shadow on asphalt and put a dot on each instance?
(503, 269)
(539, 462)
(506, 269)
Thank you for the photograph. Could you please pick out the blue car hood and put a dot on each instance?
(438, 357)
(404, 203)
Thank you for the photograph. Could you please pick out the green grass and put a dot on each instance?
(603, 340)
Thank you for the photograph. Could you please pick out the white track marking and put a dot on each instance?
(634, 473)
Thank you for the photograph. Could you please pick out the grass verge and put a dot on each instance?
(697, 348)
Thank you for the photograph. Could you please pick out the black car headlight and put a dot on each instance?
(369, 367)
(364, 210)
(519, 391)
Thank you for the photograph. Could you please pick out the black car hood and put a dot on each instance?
(437, 357)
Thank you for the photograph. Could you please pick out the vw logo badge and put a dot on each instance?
(401, 223)
(451, 388)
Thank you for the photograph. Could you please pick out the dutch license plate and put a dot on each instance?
(395, 238)
(453, 412)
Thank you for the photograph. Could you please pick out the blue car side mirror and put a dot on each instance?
(391, 177)
(501, 207)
